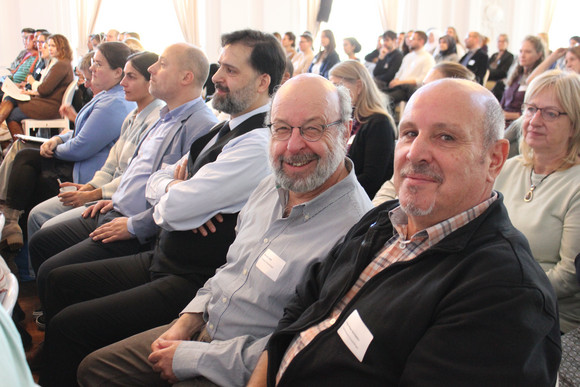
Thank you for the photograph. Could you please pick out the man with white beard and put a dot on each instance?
(291, 220)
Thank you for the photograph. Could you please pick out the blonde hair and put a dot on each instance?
(371, 100)
(566, 87)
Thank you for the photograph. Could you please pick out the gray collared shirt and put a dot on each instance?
(243, 302)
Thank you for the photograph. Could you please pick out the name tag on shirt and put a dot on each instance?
(355, 335)
(270, 264)
(471, 62)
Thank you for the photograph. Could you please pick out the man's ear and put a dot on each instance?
(188, 77)
(347, 131)
(264, 83)
(498, 155)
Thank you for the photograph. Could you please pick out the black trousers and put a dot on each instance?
(99, 303)
(34, 179)
(94, 304)
(68, 242)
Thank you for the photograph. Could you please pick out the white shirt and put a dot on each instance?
(222, 186)
(415, 66)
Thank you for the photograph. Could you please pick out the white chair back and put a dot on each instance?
(60, 123)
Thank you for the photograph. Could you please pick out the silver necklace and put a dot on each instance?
(530, 195)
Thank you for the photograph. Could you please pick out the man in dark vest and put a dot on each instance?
(108, 300)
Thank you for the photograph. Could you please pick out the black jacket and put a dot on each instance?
(505, 62)
(477, 64)
(372, 152)
(473, 310)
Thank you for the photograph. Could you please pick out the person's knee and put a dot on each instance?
(87, 374)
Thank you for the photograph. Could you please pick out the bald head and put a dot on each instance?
(314, 93)
(449, 151)
(191, 59)
(469, 97)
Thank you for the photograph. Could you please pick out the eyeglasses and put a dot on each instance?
(310, 133)
(548, 114)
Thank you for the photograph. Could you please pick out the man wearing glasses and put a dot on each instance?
(291, 220)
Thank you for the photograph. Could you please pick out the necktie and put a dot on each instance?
(224, 130)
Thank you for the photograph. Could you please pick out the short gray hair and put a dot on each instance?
(345, 106)
(344, 102)
(493, 122)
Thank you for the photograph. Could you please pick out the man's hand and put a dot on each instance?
(179, 175)
(47, 148)
(115, 230)
(162, 359)
(102, 206)
(382, 53)
(78, 198)
(210, 226)
(163, 349)
(184, 328)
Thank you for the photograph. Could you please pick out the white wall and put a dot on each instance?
(520, 17)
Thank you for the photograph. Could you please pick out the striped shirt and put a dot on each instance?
(396, 249)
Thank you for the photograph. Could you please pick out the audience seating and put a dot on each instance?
(44, 126)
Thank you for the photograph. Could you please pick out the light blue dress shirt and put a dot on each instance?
(241, 303)
(129, 199)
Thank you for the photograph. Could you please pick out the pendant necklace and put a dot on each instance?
(530, 195)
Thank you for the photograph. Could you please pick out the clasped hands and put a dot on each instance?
(163, 349)
(115, 230)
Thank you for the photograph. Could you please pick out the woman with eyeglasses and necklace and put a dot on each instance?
(541, 187)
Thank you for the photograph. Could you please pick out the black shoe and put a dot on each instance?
(41, 322)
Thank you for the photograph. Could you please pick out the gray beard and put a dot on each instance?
(335, 154)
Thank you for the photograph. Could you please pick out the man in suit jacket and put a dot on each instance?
(216, 177)
(475, 59)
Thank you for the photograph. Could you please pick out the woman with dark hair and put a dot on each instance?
(74, 155)
(47, 97)
(326, 57)
(351, 47)
(289, 44)
(531, 55)
(447, 50)
(104, 182)
(451, 31)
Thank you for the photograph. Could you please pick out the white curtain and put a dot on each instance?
(187, 11)
(388, 12)
(549, 8)
(87, 12)
(313, 6)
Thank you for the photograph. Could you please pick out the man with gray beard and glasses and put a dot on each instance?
(436, 289)
(291, 220)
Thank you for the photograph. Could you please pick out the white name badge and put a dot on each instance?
(471, 62)
(355, 335)
(270, 264)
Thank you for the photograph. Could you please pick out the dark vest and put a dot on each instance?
(183, 252)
